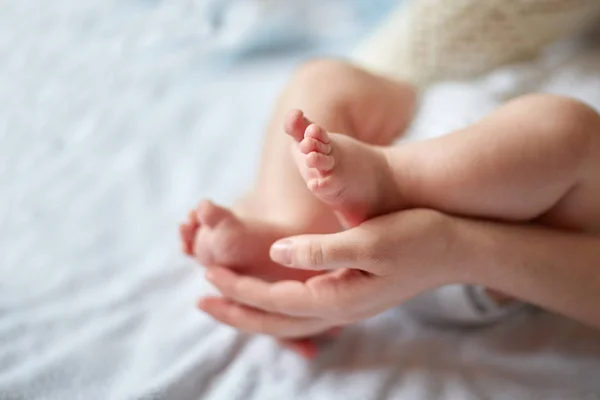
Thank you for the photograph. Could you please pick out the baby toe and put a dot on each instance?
(295, 124)
(322, 162)
(308, 145)
(318, 133)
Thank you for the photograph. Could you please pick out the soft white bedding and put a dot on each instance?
(111, 127)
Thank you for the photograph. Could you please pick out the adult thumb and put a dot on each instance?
(317, 252)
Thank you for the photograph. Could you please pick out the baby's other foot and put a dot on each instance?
(216, 236)
(353, 177)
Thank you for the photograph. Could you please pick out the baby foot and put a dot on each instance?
(216, 236)
(354, 178)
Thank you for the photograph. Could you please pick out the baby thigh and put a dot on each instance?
(535, 158)
(574, 158)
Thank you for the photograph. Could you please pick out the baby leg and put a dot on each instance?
(537, 157)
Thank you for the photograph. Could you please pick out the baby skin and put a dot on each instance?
(511, 166)
(218, 236)
(280, 205)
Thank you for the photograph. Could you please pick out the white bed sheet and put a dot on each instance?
(104, 145)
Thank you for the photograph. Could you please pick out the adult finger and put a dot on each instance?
(348, 249)
(337, 295)
(252, 320)
(271, 297)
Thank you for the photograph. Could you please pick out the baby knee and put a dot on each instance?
(320, 81)
(322, 69)
(319, 74)
(572, 123)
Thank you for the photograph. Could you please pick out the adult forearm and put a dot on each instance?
(557, 270)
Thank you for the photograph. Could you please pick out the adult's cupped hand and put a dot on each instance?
(368, 269)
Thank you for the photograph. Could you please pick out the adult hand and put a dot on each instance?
(370, 268)
(390, 259)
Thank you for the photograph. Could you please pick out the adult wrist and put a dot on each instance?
(472, 250)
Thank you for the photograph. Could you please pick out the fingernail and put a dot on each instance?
(281, 252)
(209, 275)
(201, 304)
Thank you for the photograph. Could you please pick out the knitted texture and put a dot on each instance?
(429, 40)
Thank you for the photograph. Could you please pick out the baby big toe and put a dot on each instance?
(187, 233)
(295, 124)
